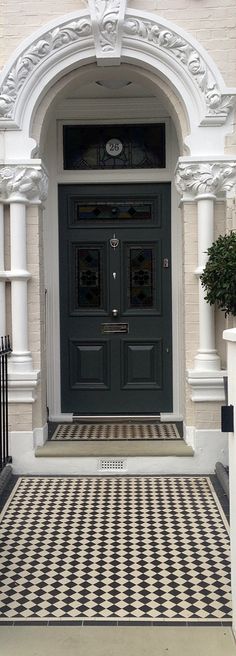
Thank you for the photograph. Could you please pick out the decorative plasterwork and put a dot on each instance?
(26, 184)
(200, 177)
(107, 21)
(50, 43)
(103, 33)
(167, 40)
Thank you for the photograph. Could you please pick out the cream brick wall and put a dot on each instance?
(20, 417)
(202, 415)
(17, 25)
(207, 415)
(231, 214)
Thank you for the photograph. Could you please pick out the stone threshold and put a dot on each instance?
(122, 448)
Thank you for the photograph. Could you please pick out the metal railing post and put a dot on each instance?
(5, 350)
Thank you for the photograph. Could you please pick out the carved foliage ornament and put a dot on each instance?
(179, 48)
(28, 184)
(205, 178)
(109, 25)
(50, 42)
(107, 12)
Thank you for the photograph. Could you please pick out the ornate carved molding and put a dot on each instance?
(213, 178)
(112, 25)
(107, 20)
(26, 184)
(49, 43)
(162, 38)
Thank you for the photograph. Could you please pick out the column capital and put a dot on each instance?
(23, 183)
(201, 178)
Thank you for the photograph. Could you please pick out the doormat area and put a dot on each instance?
(121, 549)
(116, 431)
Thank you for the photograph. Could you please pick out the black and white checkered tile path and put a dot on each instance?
(118, 431)
(114, 548)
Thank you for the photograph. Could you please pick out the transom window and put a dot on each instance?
(140, 146)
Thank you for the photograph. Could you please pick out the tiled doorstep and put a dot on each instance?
(117, 641)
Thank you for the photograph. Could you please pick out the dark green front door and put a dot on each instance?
(115, 299)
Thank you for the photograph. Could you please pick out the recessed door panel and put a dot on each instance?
(142, 365)
(115, 299)
(89, 365)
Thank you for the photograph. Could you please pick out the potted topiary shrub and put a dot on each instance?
(219, 275)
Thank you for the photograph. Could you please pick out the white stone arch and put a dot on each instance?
(113, 36)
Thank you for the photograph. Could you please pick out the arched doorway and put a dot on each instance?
(122, 102)
(178, 74)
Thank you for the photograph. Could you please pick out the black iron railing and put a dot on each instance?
(5, 350)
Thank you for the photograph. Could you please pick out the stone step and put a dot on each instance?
(78, 449)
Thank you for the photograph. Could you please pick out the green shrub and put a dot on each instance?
(219, 275)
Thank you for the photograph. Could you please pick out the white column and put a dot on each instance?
(21, 359)
(2, 275)
(230, 337)
(206, 358)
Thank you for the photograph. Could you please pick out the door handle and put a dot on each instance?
(115, 312)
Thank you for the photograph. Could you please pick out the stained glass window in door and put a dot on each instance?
(141, 292)
(88, 278)
(100, 211)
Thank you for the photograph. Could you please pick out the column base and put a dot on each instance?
(206, 385)
(207, 361)
(20, 362)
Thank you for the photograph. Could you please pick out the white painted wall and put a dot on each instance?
(230, 337)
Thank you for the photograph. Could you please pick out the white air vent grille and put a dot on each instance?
(108, 464)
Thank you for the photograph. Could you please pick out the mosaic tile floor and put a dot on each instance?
(120, 431)
(114, 548)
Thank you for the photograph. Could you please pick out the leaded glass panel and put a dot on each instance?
(114, 146)
(113, 211)
(88, 290)
(141, 279)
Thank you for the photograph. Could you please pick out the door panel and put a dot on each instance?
(142, 365)
(115, 299)
(89, 365)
